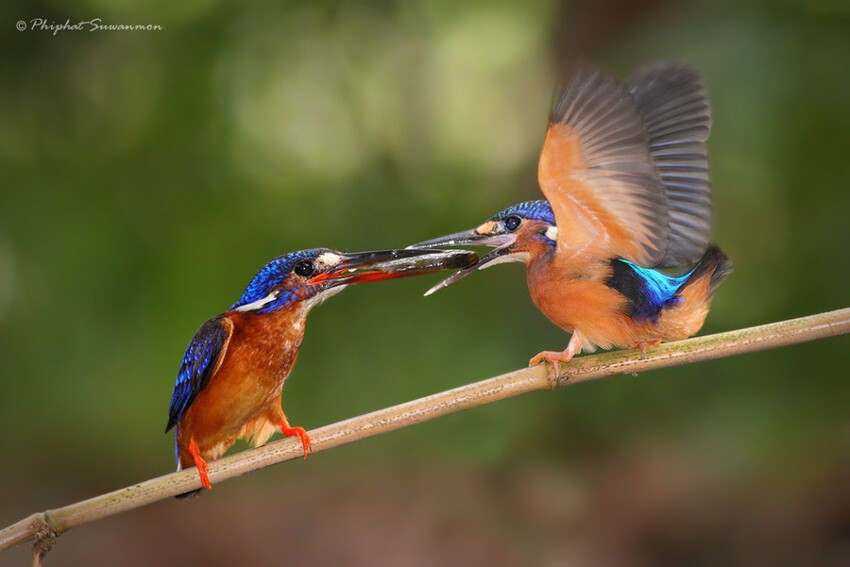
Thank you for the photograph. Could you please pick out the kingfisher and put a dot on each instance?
(618, 253)
(230, 381)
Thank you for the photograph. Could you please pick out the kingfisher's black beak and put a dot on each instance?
(489, 234)
(468, 238)
(377, 265)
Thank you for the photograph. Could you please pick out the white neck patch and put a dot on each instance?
(254, 305)
(552, 233)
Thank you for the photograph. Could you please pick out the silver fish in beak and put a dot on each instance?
(492, 233)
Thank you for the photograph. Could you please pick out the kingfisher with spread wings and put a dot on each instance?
(618, 254)
(230, 381)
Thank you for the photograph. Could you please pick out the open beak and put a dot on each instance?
(377, 265)
(501, 242)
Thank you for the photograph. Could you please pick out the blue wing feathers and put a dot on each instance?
(199, 364)
(650, 291)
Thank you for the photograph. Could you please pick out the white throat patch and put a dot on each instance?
(322, 295)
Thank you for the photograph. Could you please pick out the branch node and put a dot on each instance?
(553, 378)
(45, 538)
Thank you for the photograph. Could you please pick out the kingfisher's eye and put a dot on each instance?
(512, 223)
(304, 268)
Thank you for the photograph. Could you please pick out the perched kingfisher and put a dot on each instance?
(230, 381)
(625, 175)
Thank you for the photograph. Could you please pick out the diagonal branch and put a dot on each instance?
(45, 527)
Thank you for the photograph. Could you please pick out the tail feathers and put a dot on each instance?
(713, 262)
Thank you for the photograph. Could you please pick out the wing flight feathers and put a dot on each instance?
(596, 171)
(200, 362)
(673, 105)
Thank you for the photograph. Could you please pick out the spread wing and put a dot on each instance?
(596, 172)
(673, 104)
(202, 359)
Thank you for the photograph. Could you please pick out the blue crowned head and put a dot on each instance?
(283, 281)
(539, 210)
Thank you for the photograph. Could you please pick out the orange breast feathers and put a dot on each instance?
(243, 397)
(571, 292)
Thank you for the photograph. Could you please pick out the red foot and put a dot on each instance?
(306, 444)
(200, 464)
(643, 344)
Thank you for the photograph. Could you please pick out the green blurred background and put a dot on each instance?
(145, 176)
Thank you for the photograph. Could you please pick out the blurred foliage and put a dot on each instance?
(145, 177)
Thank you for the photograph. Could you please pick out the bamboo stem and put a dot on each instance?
(45, 527)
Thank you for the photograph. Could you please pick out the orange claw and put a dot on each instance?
(289, 431)
(554, 357)
(573, 348)
(200, 464)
